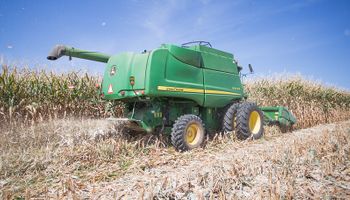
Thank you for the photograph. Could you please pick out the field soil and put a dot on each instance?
(309, 163)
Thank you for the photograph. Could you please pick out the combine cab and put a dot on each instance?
(185, 91)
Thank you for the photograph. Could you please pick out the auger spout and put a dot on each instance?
(61, 50)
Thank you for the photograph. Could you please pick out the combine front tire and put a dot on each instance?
(249, 121)
(187, 133)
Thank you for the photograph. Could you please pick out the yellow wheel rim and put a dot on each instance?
(192, 134)
(254, 122)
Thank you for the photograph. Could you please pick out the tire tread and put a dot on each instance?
(177, 132)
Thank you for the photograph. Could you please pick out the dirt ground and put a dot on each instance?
(310, 163)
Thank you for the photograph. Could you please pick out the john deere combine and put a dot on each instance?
(185, 91)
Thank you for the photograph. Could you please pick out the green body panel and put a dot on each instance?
(211, 118)
(125, 65)
(219, 63)
(174, 78)
(225, 83)
(146, 115)
(278, 115)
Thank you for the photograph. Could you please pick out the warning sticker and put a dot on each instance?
(110, 89)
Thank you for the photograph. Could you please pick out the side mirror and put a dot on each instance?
(251, 68)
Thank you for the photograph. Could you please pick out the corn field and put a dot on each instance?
(28, 95)
(311, 102)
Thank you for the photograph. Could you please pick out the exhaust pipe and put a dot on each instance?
(57, 52)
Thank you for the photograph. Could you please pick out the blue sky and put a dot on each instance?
(310, 37)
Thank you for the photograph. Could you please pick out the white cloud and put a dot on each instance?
(158, 17)
(9, 46)
(200, 20)
(154, 27)
(103, 24)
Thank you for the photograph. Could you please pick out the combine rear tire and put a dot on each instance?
(249, 121)
(187, 133)
(228, 123)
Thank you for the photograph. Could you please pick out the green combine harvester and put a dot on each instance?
(186, 91)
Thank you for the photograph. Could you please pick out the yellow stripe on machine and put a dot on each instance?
(177, 89)
(220, 92)
(192, 90)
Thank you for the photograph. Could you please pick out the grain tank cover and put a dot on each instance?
(203, 56)
(211, 50)
(185, 55)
